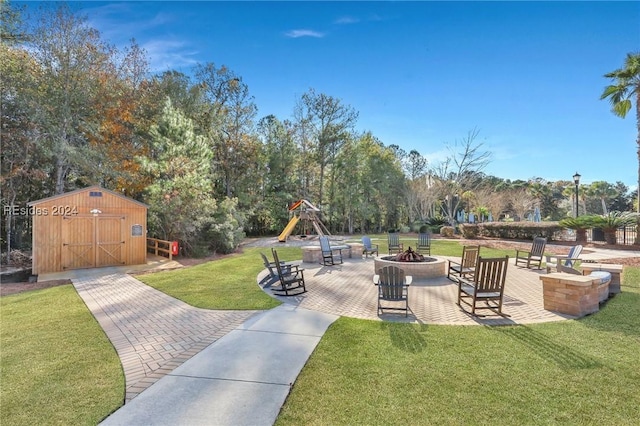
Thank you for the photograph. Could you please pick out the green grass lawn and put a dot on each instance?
(227, 283)
(58, 367)
(570, 372)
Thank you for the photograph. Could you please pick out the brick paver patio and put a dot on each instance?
(348, 290)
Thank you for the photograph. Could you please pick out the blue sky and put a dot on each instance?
(527, 75)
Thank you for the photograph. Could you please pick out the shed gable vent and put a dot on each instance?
(95, 194)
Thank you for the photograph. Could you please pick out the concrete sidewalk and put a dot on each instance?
(241, 379)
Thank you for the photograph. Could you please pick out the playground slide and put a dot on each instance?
(288, 229)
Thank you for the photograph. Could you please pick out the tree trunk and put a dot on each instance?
(637, 241)
(638, 144)
(604, 206)
(610, 236)
(581, 235)
(61, 171)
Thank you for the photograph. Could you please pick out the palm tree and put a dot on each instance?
(626, 84)
(603, 191)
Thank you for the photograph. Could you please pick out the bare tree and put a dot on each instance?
(460, 172)
(521, 201)
(494, 201)
(422, 198)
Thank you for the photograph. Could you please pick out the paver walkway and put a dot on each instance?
(152, 332)
(207, 365)
(241, 379)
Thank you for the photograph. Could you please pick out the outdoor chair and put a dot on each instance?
(486, 285)
(393, 287)
(395, 246)
(555, 260)
(273, 273)
(533, 256)
(467, 264)
(329, 255)
(368, 248)
(424, 244)
(291, 278)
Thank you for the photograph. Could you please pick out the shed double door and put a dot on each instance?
(92, 241)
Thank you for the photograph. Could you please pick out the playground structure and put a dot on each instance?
(308, 214)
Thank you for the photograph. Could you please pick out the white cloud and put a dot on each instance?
(344, 20)
(304, 33)
(437, 157)
(168, 54)
(108, 20)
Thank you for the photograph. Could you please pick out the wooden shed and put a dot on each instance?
(87, 228)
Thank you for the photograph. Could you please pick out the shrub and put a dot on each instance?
(447, 231)
(518, 230)
(469, 230)
(611, 222)
(424, 229)
(437, 221)
(579, 224)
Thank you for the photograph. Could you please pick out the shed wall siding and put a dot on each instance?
(48, 229)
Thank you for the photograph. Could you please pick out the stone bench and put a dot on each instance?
(313, 254)
(616, 272)
(576, 295)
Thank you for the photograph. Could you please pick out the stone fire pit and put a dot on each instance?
(413, 264)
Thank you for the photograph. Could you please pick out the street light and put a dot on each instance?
(576, 180)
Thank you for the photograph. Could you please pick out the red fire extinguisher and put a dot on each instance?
(174, 248)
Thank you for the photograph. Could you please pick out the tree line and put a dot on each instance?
(77, 111)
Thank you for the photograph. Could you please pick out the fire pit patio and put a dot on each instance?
(413, 264)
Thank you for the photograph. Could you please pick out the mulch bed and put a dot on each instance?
(13, 288)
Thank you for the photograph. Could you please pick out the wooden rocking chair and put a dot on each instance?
(291, 279)
(486, 286)
(395, 246)
(467, 264)
(329, 255)
(424, 244)
(533, 256)
(271, 266)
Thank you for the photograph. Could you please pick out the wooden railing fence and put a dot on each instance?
(159, 247)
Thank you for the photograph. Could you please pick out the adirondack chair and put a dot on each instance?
(424, 244)
(291, 281)
(556, 260)
(533, 256)
(393, 287)
(395, 246)
(467, 264)
(368, 248)
(486, 286)
(329, 255)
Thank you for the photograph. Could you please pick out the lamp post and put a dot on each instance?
(576, 180)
